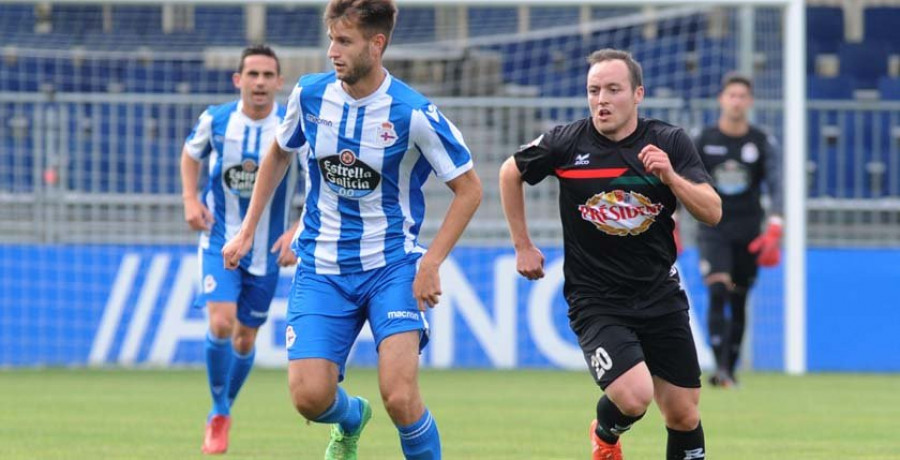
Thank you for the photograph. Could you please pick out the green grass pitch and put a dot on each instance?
(156, 414)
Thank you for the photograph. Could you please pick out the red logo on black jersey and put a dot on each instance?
(620, 213)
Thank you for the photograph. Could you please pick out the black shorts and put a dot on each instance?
(614, 344)
(721, 254)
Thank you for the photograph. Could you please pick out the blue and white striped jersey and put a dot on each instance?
(367, 162)
(236, 145)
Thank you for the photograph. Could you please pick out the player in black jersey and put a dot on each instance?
(619, 179)
(740, 157)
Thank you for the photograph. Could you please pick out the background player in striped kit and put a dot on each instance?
(373, 141)
(740, 158)
(233, 137)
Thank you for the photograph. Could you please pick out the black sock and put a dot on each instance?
(611, 422)
(718, 333)
(736, 336)
(686, 445)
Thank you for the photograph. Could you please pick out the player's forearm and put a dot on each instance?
(512, 197)
(466, 198)
(701, 200)
(190, 170)
(273, 168)
(293, 229)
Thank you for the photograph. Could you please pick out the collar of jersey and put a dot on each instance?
(375, 94)
(252, 122)
(638, 132)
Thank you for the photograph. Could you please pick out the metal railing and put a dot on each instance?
(92, 168)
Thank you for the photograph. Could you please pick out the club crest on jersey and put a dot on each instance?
(348, 176)
(620, 213)
(209, 284)
(749, 153)
(289, 337)
(731, 177)
(385, 135)
(239, 179)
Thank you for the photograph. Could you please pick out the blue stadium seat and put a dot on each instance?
(840, 87)
(717, 54)
(294, 26)
(889, 88)
(17, 160)
(663, 63)
(220, 25)
(16, 19)
(415, 25)
(865, 62)
(610, 12)
(881, 24)
(137, 21)
(543, 17)
(77, 20)
(492, 20)
(825, 27)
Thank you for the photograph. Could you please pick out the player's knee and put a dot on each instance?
(634, 403)
(684, 419)
(243, 341)
(311, 401)
(221, 325)
(399, 403)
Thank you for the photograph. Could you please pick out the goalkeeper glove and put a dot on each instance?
(767, 245)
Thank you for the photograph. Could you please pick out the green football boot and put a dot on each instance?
(343, 445)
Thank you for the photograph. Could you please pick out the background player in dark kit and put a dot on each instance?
(741, 158)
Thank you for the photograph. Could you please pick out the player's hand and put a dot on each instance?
(236, 249)
(767, 246)
(657, 163)
(197, 215)
(530, 263)
(427, 285)
(282, 246)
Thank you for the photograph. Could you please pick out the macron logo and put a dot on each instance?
(403, 315)
(432, 112)
(583, 159)
(319, 121)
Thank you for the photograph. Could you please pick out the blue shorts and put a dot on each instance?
(253, 294)
(326, 312)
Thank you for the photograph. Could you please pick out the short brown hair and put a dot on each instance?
(610, 54)
(371, 16)
(259, 50)
(732, 78)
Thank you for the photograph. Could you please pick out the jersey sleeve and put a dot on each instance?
(440, 142)
(197, 144)
(290, 136)
(773, 179)
(686, 160)
(537, 159)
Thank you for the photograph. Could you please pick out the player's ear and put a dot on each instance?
(236, 80)
(380, 42)
(639, 95)
(280, 82)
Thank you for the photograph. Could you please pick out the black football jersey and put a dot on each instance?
(616, 216)
(739, 166)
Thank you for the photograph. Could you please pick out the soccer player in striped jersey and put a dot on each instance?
(234, 138)
(373, 141)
